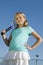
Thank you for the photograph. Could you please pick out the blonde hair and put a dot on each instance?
(25, 23)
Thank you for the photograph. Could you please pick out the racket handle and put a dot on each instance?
(9, 28)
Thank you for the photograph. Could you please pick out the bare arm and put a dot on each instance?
(39, 40)
(7, 41)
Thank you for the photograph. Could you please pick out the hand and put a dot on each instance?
(28, 47)
(3, 32)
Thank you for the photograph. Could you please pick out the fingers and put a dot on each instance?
(3, 32)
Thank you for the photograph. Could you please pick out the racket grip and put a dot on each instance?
(9, 28)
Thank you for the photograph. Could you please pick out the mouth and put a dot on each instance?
(20, 24)
(19, 21)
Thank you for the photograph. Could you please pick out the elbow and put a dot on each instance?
(7, 43)
(40, 39)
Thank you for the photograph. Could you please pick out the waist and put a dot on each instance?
(22, 48)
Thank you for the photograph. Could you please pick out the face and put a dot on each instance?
(20, 19)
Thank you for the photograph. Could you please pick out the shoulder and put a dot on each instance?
(30, 29)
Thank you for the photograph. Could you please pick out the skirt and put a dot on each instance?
(16, 58)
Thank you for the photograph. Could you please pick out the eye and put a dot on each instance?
(16, 18)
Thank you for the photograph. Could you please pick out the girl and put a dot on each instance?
(17, 42)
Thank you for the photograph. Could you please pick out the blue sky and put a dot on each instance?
(33, 10)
